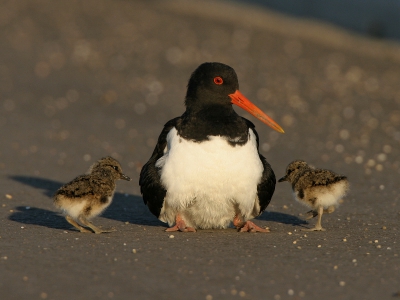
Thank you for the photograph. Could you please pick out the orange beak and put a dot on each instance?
(240, 100)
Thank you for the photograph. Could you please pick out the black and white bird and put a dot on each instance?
(89, 195)
(206, 171)
(319, 189)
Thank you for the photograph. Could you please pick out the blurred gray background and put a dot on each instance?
(376, 18)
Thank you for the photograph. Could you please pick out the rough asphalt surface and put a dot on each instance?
(80, 80)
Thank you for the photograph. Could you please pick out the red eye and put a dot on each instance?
(218, 80)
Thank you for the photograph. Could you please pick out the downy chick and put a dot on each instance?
(89, 195)
(319, 189)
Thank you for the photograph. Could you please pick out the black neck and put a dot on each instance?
(213, 120)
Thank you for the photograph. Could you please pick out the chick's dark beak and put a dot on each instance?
(124, 177)
(282, 179)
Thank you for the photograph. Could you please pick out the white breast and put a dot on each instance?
(209, 182)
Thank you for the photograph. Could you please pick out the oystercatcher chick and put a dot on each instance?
(319, 189)
(89, 195)
(205, 171)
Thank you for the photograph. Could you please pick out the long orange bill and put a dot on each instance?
(240, 100)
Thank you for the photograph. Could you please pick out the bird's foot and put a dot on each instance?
(76, 225)
(314, 229)
(329, 210)
(180, 225)
(311, 214)
(249, 226)
(104, 230)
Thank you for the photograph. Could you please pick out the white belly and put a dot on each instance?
(325, 196)
(209, 182)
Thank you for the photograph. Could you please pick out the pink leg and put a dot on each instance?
(247, 226)
(180, 225)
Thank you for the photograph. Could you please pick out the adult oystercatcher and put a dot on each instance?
(205, 170)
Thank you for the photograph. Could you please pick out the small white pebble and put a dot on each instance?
(305, 235)
(8, 196)
(27, 207)
(319, 246)
(285, 207)
(354, 260)
(335, 267)
(133, 250)
(379, 246)
(376, 241)
(294, 242)
(384, 227)
(289, 233)
(342, 283)
(171, 236)
(290, 292)
(388, 248)
(22, 227)
(344, 240)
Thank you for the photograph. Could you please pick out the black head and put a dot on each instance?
(211, 84)
(214, 87)
(292, 169)
(109, 167)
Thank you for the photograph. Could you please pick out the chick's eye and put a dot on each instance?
(218, 80)
(116, 168)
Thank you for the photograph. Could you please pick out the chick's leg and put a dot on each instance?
(76, 225)
(318, 226)
(313, 213)
(329, 210)
(95, 229)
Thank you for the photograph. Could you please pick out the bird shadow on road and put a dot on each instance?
(124, 208)
(278, 217)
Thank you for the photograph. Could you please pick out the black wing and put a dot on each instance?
(266, 187)
(150, 184)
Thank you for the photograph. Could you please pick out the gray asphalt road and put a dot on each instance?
(83, 79)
